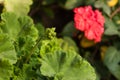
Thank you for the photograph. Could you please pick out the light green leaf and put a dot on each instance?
(7, 51)
(17, 6)
(112, 60)
(6, 70)
(106, 9)
(111, 31)
(68, 42)
(15, 26)
(70, 4)
(27, 27)
(101, 4)
(10, 24)
(22, 25)
(66, 66)
(111, 28)
(63, 64)
(27, 36)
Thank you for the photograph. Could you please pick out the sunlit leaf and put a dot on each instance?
(10, 24)
(7, 50)
(6, 70)
(64, 64)
(17, 6)
(1, 1)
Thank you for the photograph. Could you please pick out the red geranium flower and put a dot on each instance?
(90, 21)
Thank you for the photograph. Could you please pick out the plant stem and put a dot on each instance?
(115, 12)
(31, 52)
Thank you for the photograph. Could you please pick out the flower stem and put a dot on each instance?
(31, 52)
(115, 12)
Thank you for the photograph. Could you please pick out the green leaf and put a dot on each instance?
(26, 73)
(41, 29)
(99, 4)
(7, 51)
(6, 70)
(68, 42)
(106, 9)
(69, 29)
(10, 24)
(7, 57)
(66, 66)
(63, 64)
(70, 4)
(27, 36)
(112, 60)
(28, 28)
(17, 6)
(111, 28)
(90, 2)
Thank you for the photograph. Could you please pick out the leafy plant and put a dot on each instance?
(30, 52)
(39, 40)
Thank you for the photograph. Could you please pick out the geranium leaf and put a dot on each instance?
(27, 27)
(17, 6)
(10, 24)
(70, 4)
(69, 29)
(6, 70)
(7, 57)
(104, 6)
(111, 28)
(112, 60)
(64, 64)
(7, 51)
(26, 73)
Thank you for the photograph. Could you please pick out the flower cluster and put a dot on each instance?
(90, 21)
